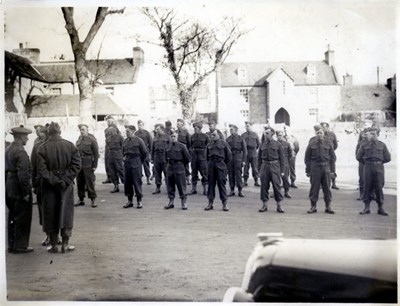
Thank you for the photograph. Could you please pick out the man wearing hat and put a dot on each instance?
(218, 157)
(110, 122)
(168, 128)
(362, 140)
(287, 153)
(40, 135)
(160, 143)
(320, 161)
(373, 154)
(114, 142)
(199, 142)
(252, 144)
(18, 192)
(184, 137)
(58, 163)
(271, 168)
(334, 142)
(148, 141)
(89, 153)
(238, 147)
(212, 126)
(135, 152)
(177, 156)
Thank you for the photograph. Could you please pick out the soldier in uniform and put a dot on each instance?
(271, 168)
(177, 156)
(114, 142)
(218, 157)
(184, 137)
(158, 156)
(362, 139)
(89, 153)
(18, 192)
(334, 142)
(110, 122)
(58, 165)
(294, 145)
(168, 128)
(253, 143)
(320, 161)
(135, 152)
(40, 135)
(238, 147)
(373, 154)
(148, 141)
(212, 126)
(288, 153)
(199, 142)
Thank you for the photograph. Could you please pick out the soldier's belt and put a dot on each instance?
(373, 162)
(216, 158)
(198, 149)
(171, 161)
(320, 163)
(115, 150)
(270, 161)
(131, 155)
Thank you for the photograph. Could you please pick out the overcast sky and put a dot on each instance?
(362, 33)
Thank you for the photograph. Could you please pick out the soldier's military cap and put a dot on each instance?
(140, 122)
(82, 124)
(168, 123)
(109, 117)
(131, 127)
(211, 122)
(279, 132)
(374, 129)
(161, 126)
(45, 128)
(324, 123)
(54, 128)
(233, 126)
(317, 127)
(248, 122)
(198, 124)
(180, 120)
(267, 127)
(37, 126)
(20, 130)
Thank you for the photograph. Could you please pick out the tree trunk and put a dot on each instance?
(86, 89)
(186, 100)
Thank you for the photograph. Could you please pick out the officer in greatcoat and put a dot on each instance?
(177, 156)
(115, 142)
(135, 152)
(199, 142)
(18, 172)
(58, 165)
(218, 157)
(89, 153)
(286, 171)
(160, 142)
(252, 143)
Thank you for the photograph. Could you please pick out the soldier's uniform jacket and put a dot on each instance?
(332, 139)
(287, 149)
(237, 145)
(359, 144)
(146, 137)
(184, 137)
(88, 150)
(219, 149)
(373, 151)
(115, 142)
(320, 151)
(39, 140)
(18, 170)
(271, 151)
(294, 145)
(135, 147)
(175, 152)
(221, 136)
(160, 142)
(35, 176)
(252, 141)
(199, 144)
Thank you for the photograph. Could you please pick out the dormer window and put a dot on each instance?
(311, 71)
(242, 72)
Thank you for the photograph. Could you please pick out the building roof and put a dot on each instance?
(60, 106)
(22, 66)
(258, 72)
(115, 71)
(366, 97)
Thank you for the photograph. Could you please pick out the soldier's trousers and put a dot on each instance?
(160, 167)
(106, 161)
(133, 178)
(320, 177)
(235, 171)
(285, 178)
(176, 176)
(116, 166)
(146, 167)
(270, 174)
(217, 177)
(251, 161)
(292, 168)
(361, 178)
(374, 180)
(86, 180)
(19, 222)
(199, 164)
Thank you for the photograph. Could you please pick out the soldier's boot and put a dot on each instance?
(287, 194)
(128, 204)
(279, 208)
(183, 203)
(360, 197)
(232, 193)
(313, 208)
(366, 210)
(148, 181)
(93, 204)
(53, 243)
(157, 189)
(65, 247)
(293, 185)
(225, 206)
(328, 208)
(46, 241)
(245, 183)
(139, 204)
(241, 193)
(116, 189)
(152, 177)
(264, 207)
(256, 182)
(194, 188)
(170, 204)
(334, 184)
(107, 181)
(81, 202)
(205, 189)
(381, 211)
(210, 205)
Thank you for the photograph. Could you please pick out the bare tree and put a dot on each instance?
(193, 51)
(86, 80)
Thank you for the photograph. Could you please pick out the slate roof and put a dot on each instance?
(366, 97)
(22, 66)
(115, 71)
(56, 106)
(258, 72)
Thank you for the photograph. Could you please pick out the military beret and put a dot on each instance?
(180, 120)
(267, 127)
(198, 124)
(233, 126)
(82, 124)
(375, 129)
(168, 123)
(140, 122)
(45, 128)
(324, 123)
(211, 122)
(109, 117)
(54, 128)
(131, 127)
(161, 126)
(317, 127)
(37, 126)
(20, 130)
(279, 132)
(248, 122)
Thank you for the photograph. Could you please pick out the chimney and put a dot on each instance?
(329, 57)
(138, 56)
(347, 80)
(32, 54)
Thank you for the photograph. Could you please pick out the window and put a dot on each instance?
(56, 91)
(311, 71)
(313, 111)
(242, 73)
(110, 90)
(245, 113)
(245, 94)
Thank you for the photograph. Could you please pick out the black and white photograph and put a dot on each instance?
(199, 152)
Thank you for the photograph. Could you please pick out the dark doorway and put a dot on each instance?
(282, 116)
